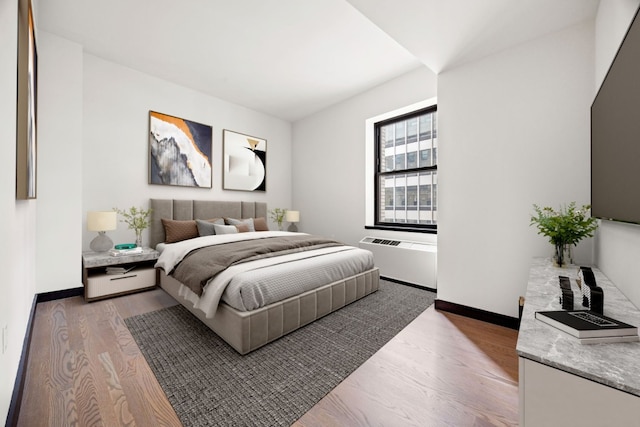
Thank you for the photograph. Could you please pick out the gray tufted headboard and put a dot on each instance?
(198, 209)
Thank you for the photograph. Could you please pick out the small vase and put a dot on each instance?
(139, 238)
(562, 255)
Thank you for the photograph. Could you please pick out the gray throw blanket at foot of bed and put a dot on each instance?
(199, 266)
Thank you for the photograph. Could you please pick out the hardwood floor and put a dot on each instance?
(85, 369)
(441, 370)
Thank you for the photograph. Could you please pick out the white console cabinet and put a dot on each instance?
(565, 383)
(551, 397)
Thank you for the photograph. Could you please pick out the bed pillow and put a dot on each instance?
(248, 222)
(176, 231)
(242, 227)
(225, 229)
(205, 227)
(260, 224)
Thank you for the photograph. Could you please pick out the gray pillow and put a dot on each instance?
(225, 229)
(248, 221)
(205, 228)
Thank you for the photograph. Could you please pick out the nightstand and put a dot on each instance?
(140, 274)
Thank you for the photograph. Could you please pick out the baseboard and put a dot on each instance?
(478, 314)
(18, 386)
(64, 293)
(413, 285)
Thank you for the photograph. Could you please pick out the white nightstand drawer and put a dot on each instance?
(111, 284)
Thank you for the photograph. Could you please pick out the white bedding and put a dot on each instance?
(254, 284)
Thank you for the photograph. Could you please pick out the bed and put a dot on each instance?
(291, 290)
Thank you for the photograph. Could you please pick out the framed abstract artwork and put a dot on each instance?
(26, 110)
(179, 151)
(245, 162)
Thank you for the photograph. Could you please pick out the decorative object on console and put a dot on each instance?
(589, 326)
(244, 162)
(101, 222)
(122, 252)
(277, 215)
(293, 217)
(564, 228)
(179, 151)
(596, 303)
(566, 294)
(586, 281)
(124, 246)
(137, 219)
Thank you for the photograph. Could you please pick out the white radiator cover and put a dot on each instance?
(411, 262)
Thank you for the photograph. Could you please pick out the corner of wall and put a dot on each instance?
(17, 253)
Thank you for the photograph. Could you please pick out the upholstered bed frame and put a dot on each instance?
(198, 209)
(246, 331)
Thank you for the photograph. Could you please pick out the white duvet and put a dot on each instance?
(251, 285)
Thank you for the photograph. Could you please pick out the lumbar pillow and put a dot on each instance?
(260, 224)
(242, 227)
(248, 222)
(175, 231)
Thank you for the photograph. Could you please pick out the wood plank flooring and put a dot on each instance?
(85, 369)
(441, 370)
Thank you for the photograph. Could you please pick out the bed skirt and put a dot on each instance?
(246, 331)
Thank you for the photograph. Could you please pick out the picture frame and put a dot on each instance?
(26, 105)
(180, 151)
(244, 162)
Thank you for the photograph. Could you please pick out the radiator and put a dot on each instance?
(411, 262)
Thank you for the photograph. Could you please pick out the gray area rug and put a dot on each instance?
(210, 384)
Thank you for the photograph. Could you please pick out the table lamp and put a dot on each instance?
(101, 222)
(292, 217)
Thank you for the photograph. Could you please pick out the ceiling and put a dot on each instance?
(292, 58)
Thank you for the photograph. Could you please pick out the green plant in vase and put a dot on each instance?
(564, 227)
(277, 216)
(137, 219)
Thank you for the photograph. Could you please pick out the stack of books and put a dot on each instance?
(119, 270)
(589, 327)
(120, 252)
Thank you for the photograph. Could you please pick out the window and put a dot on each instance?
(406, 172)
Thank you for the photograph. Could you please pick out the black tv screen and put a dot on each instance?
(615, 135)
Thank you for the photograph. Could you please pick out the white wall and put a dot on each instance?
(617, 245)
(93, 154)
(612, 21)
(513, 131)
(115, 154)
(18, 225)
(59, 236)
(329, 159)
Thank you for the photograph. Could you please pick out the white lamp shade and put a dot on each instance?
(292, 216)
(102, 221)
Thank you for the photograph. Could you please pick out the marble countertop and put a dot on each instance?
(614, 364)
(100, 259)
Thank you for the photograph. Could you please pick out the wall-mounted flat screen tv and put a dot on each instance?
(615, 135)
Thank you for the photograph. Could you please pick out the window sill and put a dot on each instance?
(405, 229)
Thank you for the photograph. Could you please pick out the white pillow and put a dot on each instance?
(225, 229)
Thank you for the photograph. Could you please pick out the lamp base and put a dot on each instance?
(102, 243)
(292, 227)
